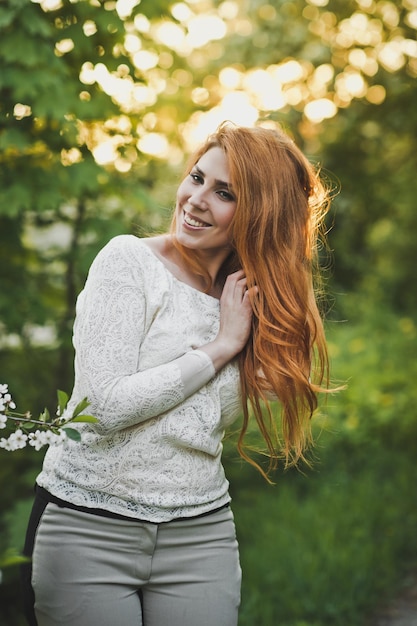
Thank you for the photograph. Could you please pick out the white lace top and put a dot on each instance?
(162, 410)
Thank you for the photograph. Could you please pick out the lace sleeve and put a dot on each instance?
(108, 331)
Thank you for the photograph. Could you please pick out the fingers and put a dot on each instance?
(253, 291)
(237, 280)
(236, 311)
(237, 284)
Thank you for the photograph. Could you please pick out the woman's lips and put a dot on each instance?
(194, 222)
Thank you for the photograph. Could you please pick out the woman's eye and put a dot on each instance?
(196, 177)
(225, 195)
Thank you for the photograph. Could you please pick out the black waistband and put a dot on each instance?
(48, 497)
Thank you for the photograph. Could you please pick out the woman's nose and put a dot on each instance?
(198, 199)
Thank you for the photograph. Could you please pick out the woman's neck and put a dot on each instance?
(165, 248)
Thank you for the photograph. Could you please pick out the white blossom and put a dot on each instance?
(37, 439)
(18, 439)
(5, 444)
(6, 400)
(61, 437)
(49, 437)
(49, 431)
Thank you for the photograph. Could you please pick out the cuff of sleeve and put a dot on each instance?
(205, 360)
(197, 370)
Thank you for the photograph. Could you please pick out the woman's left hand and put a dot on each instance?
(235, 320)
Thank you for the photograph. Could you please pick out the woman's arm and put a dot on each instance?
(108, 332)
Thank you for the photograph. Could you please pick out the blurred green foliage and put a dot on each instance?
(324, 546)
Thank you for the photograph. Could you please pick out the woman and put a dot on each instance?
(132, 525)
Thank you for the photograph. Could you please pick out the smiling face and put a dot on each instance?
(206, 205)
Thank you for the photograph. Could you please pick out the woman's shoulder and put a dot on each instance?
(125, 256)
(160, 245)
(156, 244)
(124, 242)
(127, 247)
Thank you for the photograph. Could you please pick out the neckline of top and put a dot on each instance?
(175, 278)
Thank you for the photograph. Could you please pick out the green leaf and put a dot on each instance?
(72, 434)
(80, 407)
(45, 416)
(85, 418)
(62, 400)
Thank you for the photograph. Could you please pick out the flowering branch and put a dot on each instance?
(48, 430)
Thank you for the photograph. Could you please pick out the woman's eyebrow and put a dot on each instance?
(221, 183)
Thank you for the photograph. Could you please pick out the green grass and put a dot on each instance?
(325, 548)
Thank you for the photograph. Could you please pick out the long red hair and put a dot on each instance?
(276, 227)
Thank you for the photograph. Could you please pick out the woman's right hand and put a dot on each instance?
(235, 321)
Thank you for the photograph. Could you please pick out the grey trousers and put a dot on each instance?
(95, 571)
